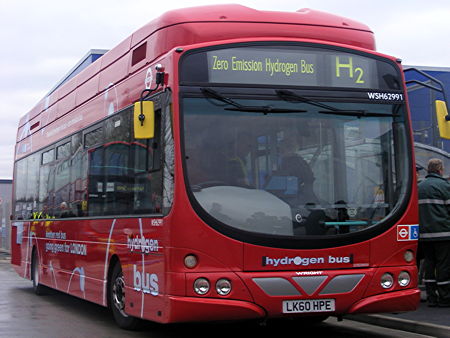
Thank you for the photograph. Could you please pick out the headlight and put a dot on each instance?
(404, 278)
(223, 287)
(201, 286)
(387, 281)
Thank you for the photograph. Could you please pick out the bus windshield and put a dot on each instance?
(294, 167)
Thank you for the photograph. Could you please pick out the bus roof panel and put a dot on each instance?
(238, 13)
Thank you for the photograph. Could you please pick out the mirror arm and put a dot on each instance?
(160, 74)
(144, 94)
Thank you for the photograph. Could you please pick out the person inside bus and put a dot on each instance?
(297, 171)
(297, 177)
(244, 147)
(65, 211)
(230, 163)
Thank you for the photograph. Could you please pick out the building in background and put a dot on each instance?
(5, 212)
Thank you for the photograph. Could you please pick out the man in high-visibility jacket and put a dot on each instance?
(434, 214)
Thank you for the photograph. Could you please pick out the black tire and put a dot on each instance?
(116, 296)
(38, 288)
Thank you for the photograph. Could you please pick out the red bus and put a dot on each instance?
(252, 164)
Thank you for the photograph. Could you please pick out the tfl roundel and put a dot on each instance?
(408, 232)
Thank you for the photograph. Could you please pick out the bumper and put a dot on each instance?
(190, 309)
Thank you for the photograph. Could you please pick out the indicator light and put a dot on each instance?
(409, 256)
(190, 261)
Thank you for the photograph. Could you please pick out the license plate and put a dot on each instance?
(308, 305)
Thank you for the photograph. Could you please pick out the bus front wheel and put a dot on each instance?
(117, 300)
(38, 288)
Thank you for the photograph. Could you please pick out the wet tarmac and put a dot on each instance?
(24, 314)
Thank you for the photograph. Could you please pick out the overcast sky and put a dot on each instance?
(41, 40)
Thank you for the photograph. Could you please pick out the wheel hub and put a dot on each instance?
(118, 293)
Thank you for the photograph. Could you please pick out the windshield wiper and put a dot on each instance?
(287, 95)
(358, 113)
(250, 109)
(215, 95)
(265, 109)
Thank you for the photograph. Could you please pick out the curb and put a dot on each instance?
(403, 324)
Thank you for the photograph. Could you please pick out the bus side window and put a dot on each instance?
(78, 176)
(93, 145)
(26, 187)
(95, 181)
(20, 189)
(46, 176)
(145, 166)
(32, 184)
(124, 173)
(45, 191)
(62, 180)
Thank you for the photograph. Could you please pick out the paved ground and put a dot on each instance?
(438, 316)
(50, 316)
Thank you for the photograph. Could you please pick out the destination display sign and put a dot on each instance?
(289, 65)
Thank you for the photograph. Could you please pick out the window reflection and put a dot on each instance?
(99, 172)
(293, 173)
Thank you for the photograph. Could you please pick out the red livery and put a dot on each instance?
(266, 170)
